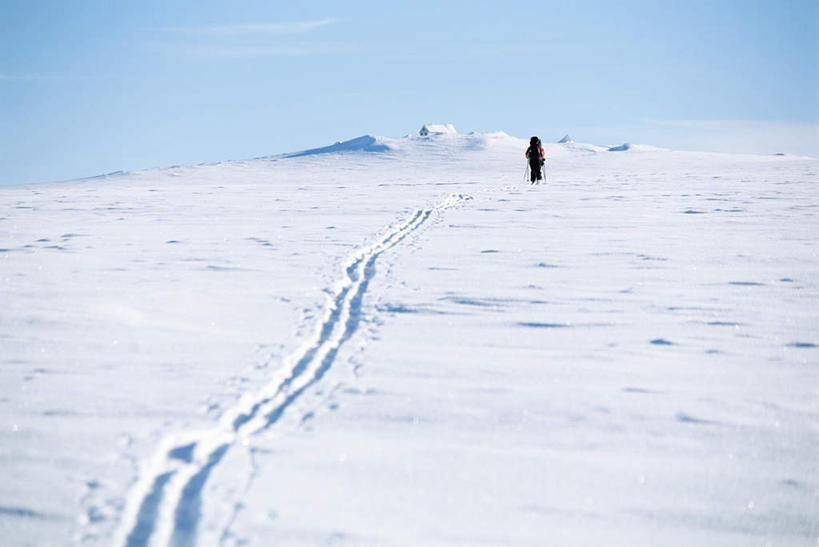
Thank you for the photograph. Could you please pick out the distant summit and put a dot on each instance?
(566, 139)
(437, 129)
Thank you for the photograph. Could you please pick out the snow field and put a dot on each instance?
(626, 354)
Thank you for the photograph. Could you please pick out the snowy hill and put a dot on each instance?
(437, 129)
(398, 341)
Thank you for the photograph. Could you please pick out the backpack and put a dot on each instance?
(538, 148)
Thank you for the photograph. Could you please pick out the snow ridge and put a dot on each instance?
(164, 506)
(365, 143)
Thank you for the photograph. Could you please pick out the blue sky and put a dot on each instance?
(92, 87)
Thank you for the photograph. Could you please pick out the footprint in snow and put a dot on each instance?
(802, 345)
(686, 418)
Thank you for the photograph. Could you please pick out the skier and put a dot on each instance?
(536, 158)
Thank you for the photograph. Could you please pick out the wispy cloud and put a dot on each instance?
(22, 77)
(6, 77)
(246, 40)
(297, 27)
(229, 51)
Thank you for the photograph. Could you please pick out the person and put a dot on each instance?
(536, 158)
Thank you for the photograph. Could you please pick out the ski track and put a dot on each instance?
(164, 506)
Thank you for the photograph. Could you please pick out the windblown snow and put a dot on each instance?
(399, 341)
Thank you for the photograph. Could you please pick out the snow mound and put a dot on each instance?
(453, 143)
(365, 143)
(443, 141)
(572, 148)
(628, 147)
(622, 148)
(495, 138)
(437, 129)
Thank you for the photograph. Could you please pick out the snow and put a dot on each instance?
(398, 341)
(566, 139)
(625, 147)
(437, 129)
(366, 143)
(622, 148)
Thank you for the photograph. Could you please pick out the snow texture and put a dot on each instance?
(399, 341)
(437, 129)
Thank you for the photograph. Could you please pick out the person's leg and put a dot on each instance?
(535, 168)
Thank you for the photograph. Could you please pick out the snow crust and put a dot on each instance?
(398, 341)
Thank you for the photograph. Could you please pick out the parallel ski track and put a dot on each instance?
(164, 506)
